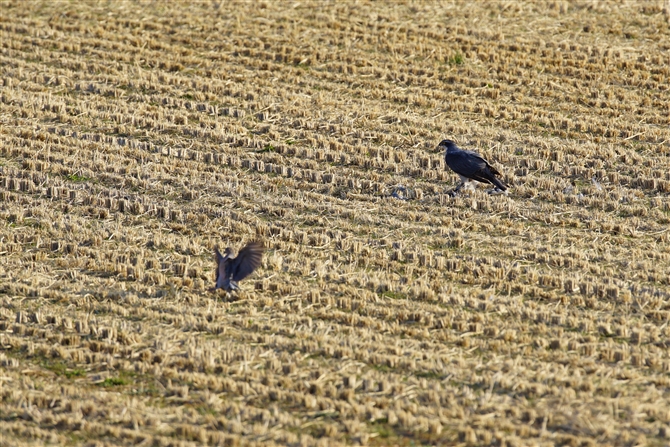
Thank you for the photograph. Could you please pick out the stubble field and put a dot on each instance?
(136, 137)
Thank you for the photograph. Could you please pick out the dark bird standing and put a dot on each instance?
(470, 165)
(230, 270)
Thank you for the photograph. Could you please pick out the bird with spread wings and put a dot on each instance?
(230, 270)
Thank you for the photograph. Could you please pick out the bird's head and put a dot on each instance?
(445, 145)
(227, 252)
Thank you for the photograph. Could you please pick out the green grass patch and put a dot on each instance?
(70, 373)
(77, 178)
(431, 375)
(114, 381)
(456, 59)
(394, 295)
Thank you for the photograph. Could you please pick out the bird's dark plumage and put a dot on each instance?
(229, 270)
(470, 165)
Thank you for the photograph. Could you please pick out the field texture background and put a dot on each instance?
(135, 137)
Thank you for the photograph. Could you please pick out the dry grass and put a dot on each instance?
(135, 137)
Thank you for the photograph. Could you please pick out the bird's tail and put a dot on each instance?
(488, 174)
(500, 185)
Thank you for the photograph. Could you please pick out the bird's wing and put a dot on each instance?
(488, 175)
(493, 170)
(248, 260)
(465, 163)
(471, 165)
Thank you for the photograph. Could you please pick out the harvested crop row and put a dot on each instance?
(135, 139)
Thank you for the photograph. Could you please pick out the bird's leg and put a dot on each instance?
(496, 191)
(230, 296)
(456, 189)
